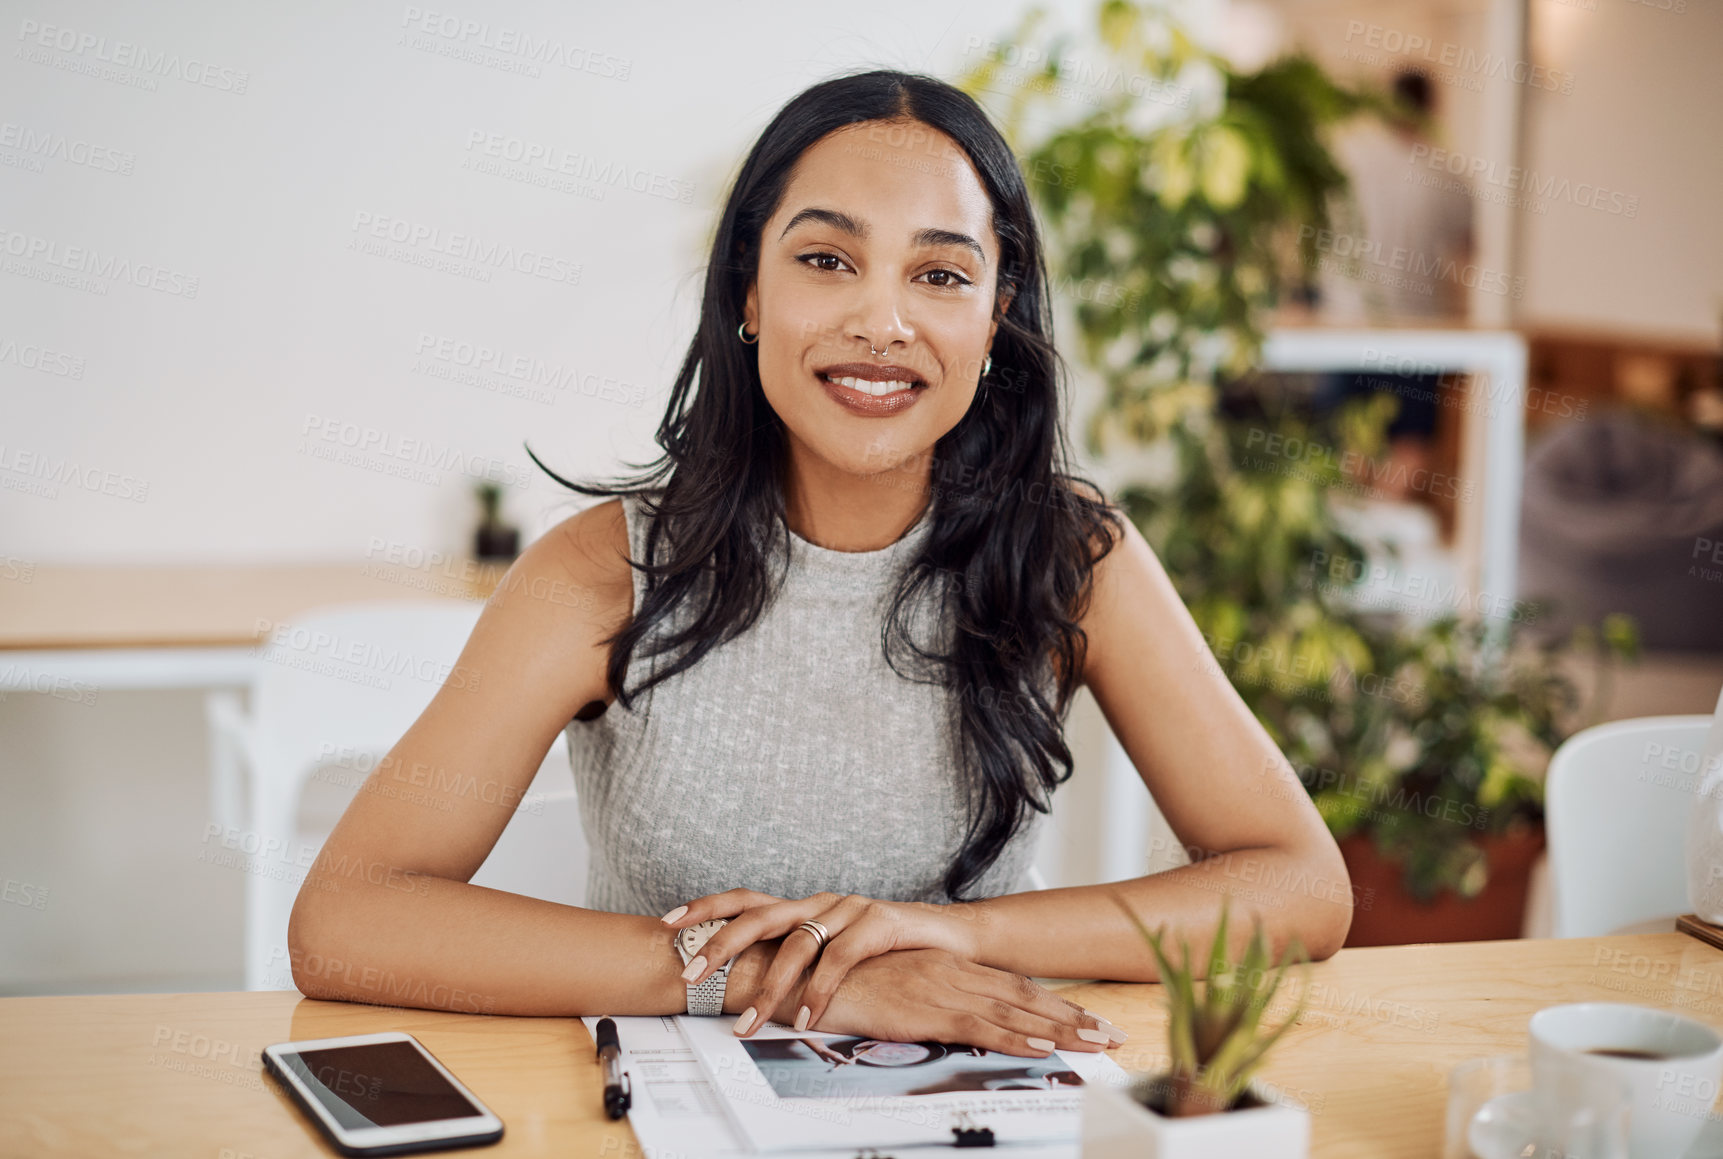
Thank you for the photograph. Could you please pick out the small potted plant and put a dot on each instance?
(494, 540)
(1205, 1105)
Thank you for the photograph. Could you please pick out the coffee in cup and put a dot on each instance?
(1671, 1065)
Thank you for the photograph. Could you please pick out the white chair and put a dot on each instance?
(338, 689)
(1616, 801)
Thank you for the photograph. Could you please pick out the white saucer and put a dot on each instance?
(1507, 1123)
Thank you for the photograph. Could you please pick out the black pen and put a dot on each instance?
(618, 1089)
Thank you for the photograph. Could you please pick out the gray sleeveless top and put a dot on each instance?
(791, 759)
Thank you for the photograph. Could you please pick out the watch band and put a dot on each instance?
(708, 997)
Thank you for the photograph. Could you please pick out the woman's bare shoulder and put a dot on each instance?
(550, 615)
(582, 561)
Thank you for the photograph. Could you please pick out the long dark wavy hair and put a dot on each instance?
(1011, 549)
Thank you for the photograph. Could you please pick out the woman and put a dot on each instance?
(822, 654)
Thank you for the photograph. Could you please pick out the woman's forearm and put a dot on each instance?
(417, 940)
(1079, 932)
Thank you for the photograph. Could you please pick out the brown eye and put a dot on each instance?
(814, 259)
(953, 279)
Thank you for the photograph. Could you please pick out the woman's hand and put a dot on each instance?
(931, 995)
(860, 928)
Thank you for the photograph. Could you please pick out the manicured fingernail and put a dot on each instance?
(745, 1021)
(1107, 1024)
(1088, 1035)
(802, 1018)
(1040, 1044)
(674, 914)
(694, 967)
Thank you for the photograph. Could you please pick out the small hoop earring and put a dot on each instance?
(742, 333)
(987, 366)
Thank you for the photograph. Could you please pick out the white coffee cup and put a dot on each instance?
(1671, 1094)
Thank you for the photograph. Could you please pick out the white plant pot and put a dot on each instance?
(1118, 1126)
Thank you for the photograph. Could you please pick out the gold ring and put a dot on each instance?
(821, 934)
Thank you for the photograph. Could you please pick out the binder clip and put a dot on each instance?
(969, 1135)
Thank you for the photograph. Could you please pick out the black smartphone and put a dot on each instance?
(381, 1094)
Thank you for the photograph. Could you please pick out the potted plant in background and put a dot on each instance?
(1206, 1105)
(494, 541)
(1436, 810)
(1195, 209)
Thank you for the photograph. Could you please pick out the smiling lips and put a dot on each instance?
(890, 386)
(870, 390)
(871, 379)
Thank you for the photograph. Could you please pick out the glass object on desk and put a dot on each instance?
(1705, 829)
(1495, 1111)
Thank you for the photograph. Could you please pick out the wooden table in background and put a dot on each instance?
(180, 1074)
(213, 606)
(76, 632)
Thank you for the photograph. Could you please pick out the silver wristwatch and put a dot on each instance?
(708, 996)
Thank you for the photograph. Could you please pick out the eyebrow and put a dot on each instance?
(931, 236)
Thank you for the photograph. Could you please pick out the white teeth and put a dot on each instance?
(869, 387)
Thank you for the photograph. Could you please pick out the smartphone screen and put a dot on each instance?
(379, 1084)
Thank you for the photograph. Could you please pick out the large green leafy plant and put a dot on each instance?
(1193, 193)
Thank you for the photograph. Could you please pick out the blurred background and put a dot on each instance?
(1395, 327)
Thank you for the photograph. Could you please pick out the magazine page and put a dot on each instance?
(787, 1089)
(677, 1112)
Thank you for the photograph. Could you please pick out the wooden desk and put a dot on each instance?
(179, 1074)
(215, 606)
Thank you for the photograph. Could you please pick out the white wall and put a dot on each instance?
(1640, 123)
(257, 195)
(209, 400)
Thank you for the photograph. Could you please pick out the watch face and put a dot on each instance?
(691, 939)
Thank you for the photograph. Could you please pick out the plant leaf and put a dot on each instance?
(1216, 980)
(1181, 1043)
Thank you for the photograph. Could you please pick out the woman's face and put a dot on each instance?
(883, 238)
